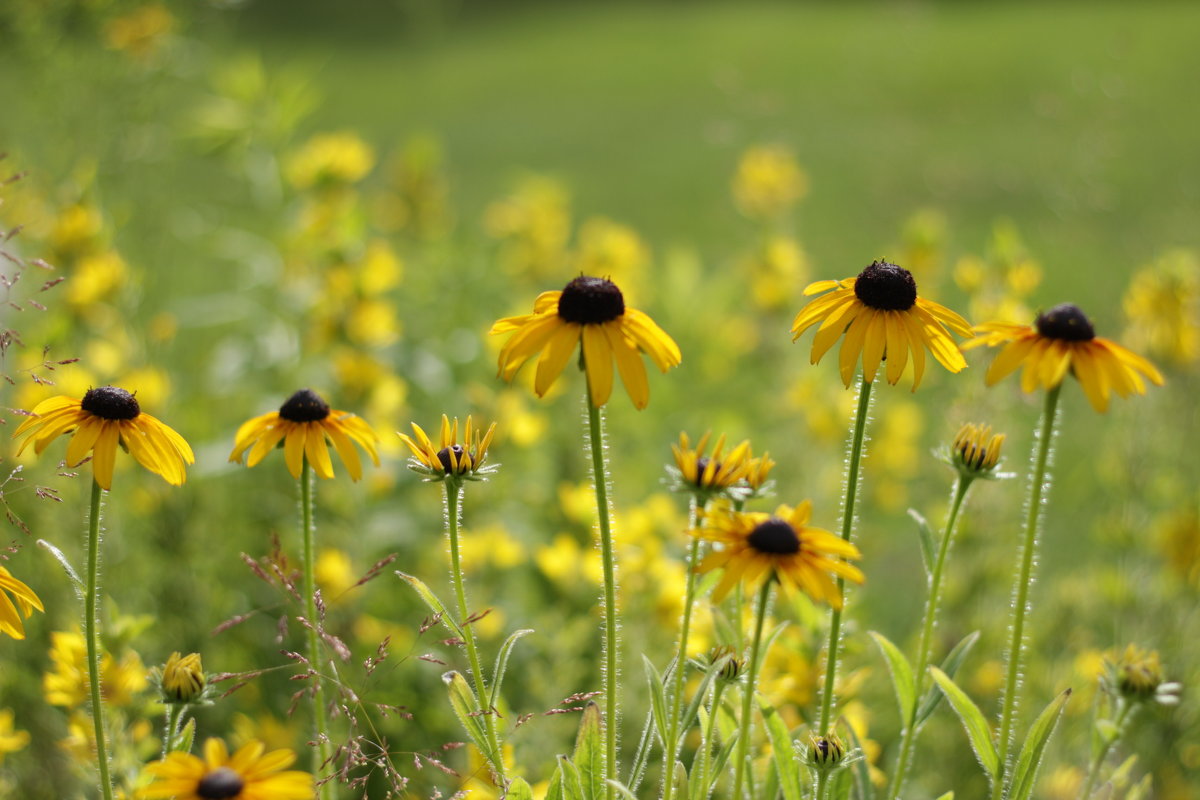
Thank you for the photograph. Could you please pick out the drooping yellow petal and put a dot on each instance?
(83, 441)
(874, 344)
(629, 364)
(293, 448)
(897, 346)
(104, 454)
(852, 345)
(597, 357)
(559, 349)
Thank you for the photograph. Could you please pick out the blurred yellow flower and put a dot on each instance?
(615, 251)
(534, 224)
(381, 269)
(141, 32)
(768, 182)
(1178, 538)
(95, 279)
(566, 562)
(67, 684)
(330, 160)
(1162, 305)
(492, 545)
(11, 740)
(10, 613)
(923, 241)
(75, 231)
(334, 573)
(774, 269)
(373, 323)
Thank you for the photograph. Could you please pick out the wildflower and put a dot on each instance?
(68, 684)
(976, 451)
(1061, 340)
(882, 318)
(454, 458)
(591, 311)
(27, 601)
(756, 474)
(768, 181)
(757, 546)
(825, 751)
(734, 666)
(1137, 675)
(11, 740)
(303, 424)
(247, 775)
(105, 417)
(1162, 305)
(329, 160)
(183, 678)
(707, 474)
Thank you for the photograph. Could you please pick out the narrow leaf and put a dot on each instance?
(903, 682)
(950, 666)
(502, 665)
(658, 700)
(555, 790)
(589, 757)
(947, 796)
(840, 785)
(1024, 776)
(519, 789)
(466, 708)
(641, 756)
(186, 737)
(64, 563)
(693, 709)
(973, 722)
(431, 600)
(572, 783)
(863, 788)
(782, 751)
(621, 789)
(928, 543)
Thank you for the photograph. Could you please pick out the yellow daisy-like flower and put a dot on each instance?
(710, 473)
(303, 424)
(976, 450)
(102, 419)
(591, 311)
(183, 679)
(27, 601)
(756, 546)
(246, 775)
(882, 318)
(454, 457)
(1062, 339)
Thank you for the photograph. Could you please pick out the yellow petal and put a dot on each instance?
(559, 349)
(629, 364)
(597, 356)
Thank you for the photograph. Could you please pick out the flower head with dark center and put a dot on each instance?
(453, 458)
(754, 546)
(1064, 340)
(590, 312)
(976, 451)
(248, 774)
(304, 425)
(704, 473)
(105, 417)
(883, 319)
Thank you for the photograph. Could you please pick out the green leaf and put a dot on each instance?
(781, 748)
(973, 722)
(641, 756)
(502, 665)
(466, 708)
(902, 677)
(928, 543)
(693, 709)
(863, 788)
(1024, 776)
(658, 700)
(63, 562)
(950, 666)
(432, 601)
(572, 783)
(723, 757)
(840, 784)
(589, 755)
(947, 796)
(519, 789)
(621, 789)
(555, 790)
(186, 737)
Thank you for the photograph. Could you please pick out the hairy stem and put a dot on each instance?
(174, 712)
(320, 756)
(743, 749)
(1098, 762)
(706, 743)
(91, 625)
(671, 750)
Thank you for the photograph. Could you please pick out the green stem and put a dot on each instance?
(91, 625)
(822, 784)
(1098, 762)
(835, 615)
(926, 644)
(671, 750)
(174, 711)
(707, 741)
(1016, 644)
(748, 692)
(453, 509)
(611, 659)
(321, 755)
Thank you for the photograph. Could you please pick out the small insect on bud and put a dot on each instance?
(183, 679)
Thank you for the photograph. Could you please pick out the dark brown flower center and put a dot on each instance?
(702, 464)
(444, 457)
(1066, 322)
(304, 406)
(109, 402)
(776, 537)
(590, 301)
(886, 287)
(220, 784)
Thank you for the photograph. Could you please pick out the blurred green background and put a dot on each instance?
(219, 254)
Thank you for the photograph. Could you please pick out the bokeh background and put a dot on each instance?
(249, 198)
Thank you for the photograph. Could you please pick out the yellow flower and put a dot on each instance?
(591, 311)
(768, 181)
(11, 740)
(68, 684)
(140, 33)
(303, 424)
(882, 318)
(330, 159)
(975, 451)
(756, 546)
(712, 473)
(461, 459)
(105, 417)
(183, 678)
(1162, 305)
(27, 601)
(1061, 340)
(246, 775)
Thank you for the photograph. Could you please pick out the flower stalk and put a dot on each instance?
(321, 755)
(671, 750)
(851, 497)
(1016, 645)
(1118, 731)
(91, 625)
(743, 749)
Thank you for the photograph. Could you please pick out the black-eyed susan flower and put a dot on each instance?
(102, 419)
(711, 473)
(1063, 340)
(975, 452)
(248, 774)
(754, 546)
(304, 425)
(454, 458)
(10, 612)
(1137, 676)
(882, 318)
(183, 678)
(591, 311)
(825, 751)
(758, 471)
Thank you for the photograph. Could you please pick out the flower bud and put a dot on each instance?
(183, 679)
